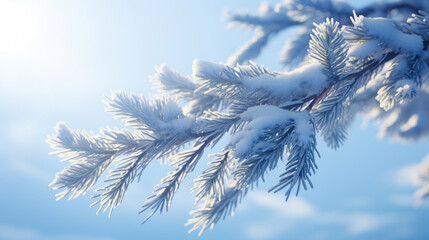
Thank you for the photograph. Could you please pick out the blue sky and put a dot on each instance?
(58, 59)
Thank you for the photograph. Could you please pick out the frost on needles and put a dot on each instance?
(376, 66)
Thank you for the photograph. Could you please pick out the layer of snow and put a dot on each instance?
(167, 79)
(161, 114)
(385, 30)
(261, 118)
(304, 81)
(362, 50)
(200, 67)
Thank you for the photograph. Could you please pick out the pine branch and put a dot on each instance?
(251, 49)
(208, 214)
(295, 50)
(160, 117)
(267, 24)
(169, 80)
(163, 194)
(124, 174)
(224, 81)
(301, 164)
(268, 114)
(211, 183)
(330, 107)
(89, 156)
(400, 92)
(183, 89)
(212, 129)
(267, 17)
(280, 127)
(263, 154)
(328, 47)
(419, 24)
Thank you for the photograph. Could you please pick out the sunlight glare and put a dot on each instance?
(18, 28)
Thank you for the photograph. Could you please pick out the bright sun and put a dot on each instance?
(18, 28)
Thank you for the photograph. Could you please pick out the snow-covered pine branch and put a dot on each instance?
(163, 194)
(211, 183)
(213, 210)
(371, 65)
(89, 157)
(269, 21)
(269, 132)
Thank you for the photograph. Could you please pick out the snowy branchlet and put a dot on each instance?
(369, 65)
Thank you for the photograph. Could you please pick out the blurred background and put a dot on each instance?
(59, 58)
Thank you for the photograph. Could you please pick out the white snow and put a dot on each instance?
(261, 118)
(303, 81)
(405, 90)
(200, 66)
(170, 111)
(362, 50)
(168, 79)
(385, 30)
(173, 121)
(160, 114)
(180, 126)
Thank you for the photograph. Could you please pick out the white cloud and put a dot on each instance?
(29, 169)
(403, 200)
(298, 210)
(411, 177)
(404, 177)
(263, 230)
(23, 133)
(358, 202)
(358, 223)
(295, 207)
(20, 233)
